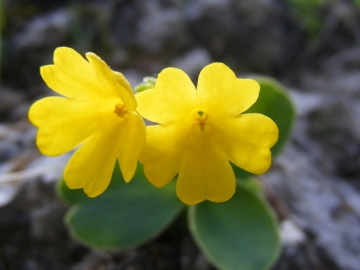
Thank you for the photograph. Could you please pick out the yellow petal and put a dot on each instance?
(162, 154)
(206, 174)
(172, 98)
(120, 78)
(92, 165)
(63, 124)
(247, 140)
(132, 140)
(71, 76)
(223, 93)
(108, 81)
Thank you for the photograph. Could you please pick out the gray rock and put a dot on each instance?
(7, 193)
(211, 21)
(320, 203)
(49, 29)
(192, 62)
(8, 150)
(157, 27)
(291, 235)
(317, 206)
(9, 98)
(238, 30)
(306, 103)
(132, 76)
(10, 142)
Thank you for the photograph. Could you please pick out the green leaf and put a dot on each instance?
(125, 215)
(239, 234)
(254, 184)
(72, 196)
(148, 83)
(275, 103)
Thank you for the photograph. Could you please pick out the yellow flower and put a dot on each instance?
(201, 130)
(96, 113)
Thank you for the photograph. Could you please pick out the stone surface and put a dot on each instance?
(313, 185)
(323, 205)
(192, 62)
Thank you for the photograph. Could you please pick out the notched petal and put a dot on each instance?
(131, 142)
(205, 175)
(173, 96)
(63, 124)
(162, 154)
(109, 82)
(92, 165)
(71, 75)
(120, 78)
(219, 88)
(247, 139)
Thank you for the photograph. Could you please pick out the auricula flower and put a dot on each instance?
(96, 113)
(200, 131)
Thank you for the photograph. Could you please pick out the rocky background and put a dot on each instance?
(311, 46)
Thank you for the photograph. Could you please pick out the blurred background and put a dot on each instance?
(311, 46)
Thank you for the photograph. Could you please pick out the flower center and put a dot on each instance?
(201, 119)
(121, 110)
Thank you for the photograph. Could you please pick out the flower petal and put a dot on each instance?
(132, 140)
(219, 89)
(71, 76)
(109, 82)
(92, 165)
(173, 97)
(162, 154)
(247, 140)
(71, 123)
(206, 174)
(120, 78)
